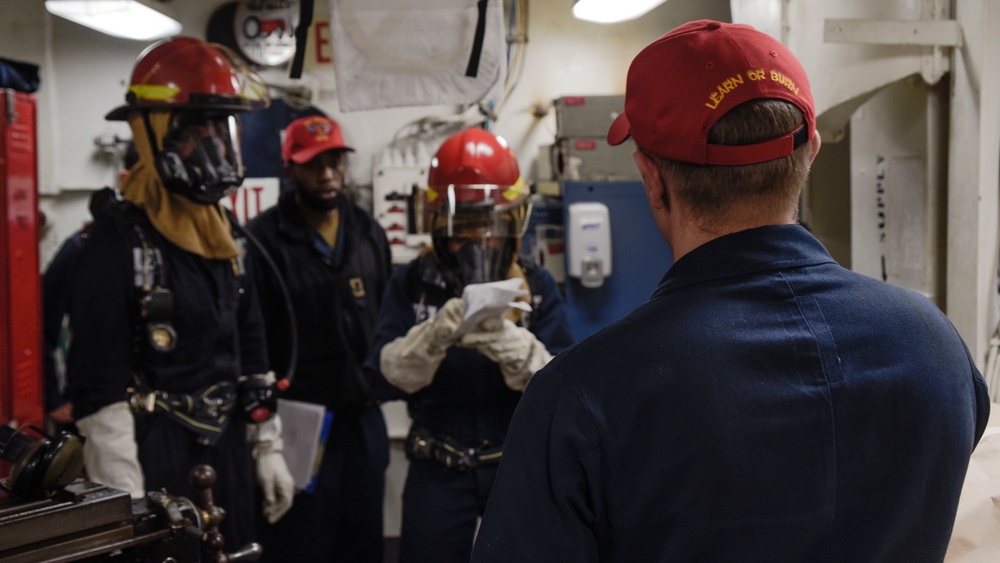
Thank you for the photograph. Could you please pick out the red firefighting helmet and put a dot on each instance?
(203, 86)
(188, 73)
(475, 197)
(473, 176)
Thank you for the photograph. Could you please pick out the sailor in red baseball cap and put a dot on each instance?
(680, 85)
(331, 263)
(316, 163)
(308, 136)
(765, 402)
(724, 122)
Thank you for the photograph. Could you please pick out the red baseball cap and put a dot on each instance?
(306, 137)
(682, 83)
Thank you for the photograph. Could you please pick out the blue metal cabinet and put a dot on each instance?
(639, 256)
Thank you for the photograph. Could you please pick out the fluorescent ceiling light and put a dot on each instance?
(612, 11)
(142, 20)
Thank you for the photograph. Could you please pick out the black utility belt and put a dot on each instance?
(205, 412)
(421, 443)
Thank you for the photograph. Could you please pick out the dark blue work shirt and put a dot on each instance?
(766, 404)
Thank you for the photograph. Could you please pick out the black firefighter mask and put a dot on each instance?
(469, 260)
(201, 158)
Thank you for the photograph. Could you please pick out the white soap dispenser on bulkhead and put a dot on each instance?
(588, 243)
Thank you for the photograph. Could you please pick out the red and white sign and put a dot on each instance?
(253, 197)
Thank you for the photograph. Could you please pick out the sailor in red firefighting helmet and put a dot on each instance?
(167, 330)
(461, 396)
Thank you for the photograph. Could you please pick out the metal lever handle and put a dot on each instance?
(250, 552)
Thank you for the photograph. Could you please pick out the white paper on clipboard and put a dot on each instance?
(301, 429)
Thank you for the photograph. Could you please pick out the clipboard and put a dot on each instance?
(304, 429)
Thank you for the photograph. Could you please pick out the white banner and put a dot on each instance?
(393, 53)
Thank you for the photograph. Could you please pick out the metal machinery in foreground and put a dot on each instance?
(86, 521)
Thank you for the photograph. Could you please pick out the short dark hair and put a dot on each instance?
(769, 188)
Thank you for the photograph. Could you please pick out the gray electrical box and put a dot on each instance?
(586, 116)
(592, 158)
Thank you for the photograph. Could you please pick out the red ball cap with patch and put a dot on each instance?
(682, 83)
(306, 137)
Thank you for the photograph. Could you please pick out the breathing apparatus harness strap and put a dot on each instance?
(155, 299)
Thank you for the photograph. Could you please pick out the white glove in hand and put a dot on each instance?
(514, 348)
(110, 453)
(409, 362)
(272, 471)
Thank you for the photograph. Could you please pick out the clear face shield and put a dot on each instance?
(203, 155)
(475, 238)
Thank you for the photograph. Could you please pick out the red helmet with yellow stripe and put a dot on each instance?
(188, 73)
(473, 175)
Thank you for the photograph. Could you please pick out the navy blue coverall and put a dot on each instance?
(220, 337)
(766, 404)
(335, 294)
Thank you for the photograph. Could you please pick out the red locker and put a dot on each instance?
(21, 393)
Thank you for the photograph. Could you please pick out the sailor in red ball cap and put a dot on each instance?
(766, 404)
(332, 257)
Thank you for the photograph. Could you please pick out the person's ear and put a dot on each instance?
(814, 144)
(651, 181)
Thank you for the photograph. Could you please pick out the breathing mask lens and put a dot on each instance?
(205, 152)
(474, 243)
(480, 260)
(472, 263)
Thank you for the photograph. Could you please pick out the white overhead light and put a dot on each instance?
(142, 20)
(612, 11)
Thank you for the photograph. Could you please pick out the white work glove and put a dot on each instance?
(409, 362)
(110, 454)
(514, 348)
(272, 472)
